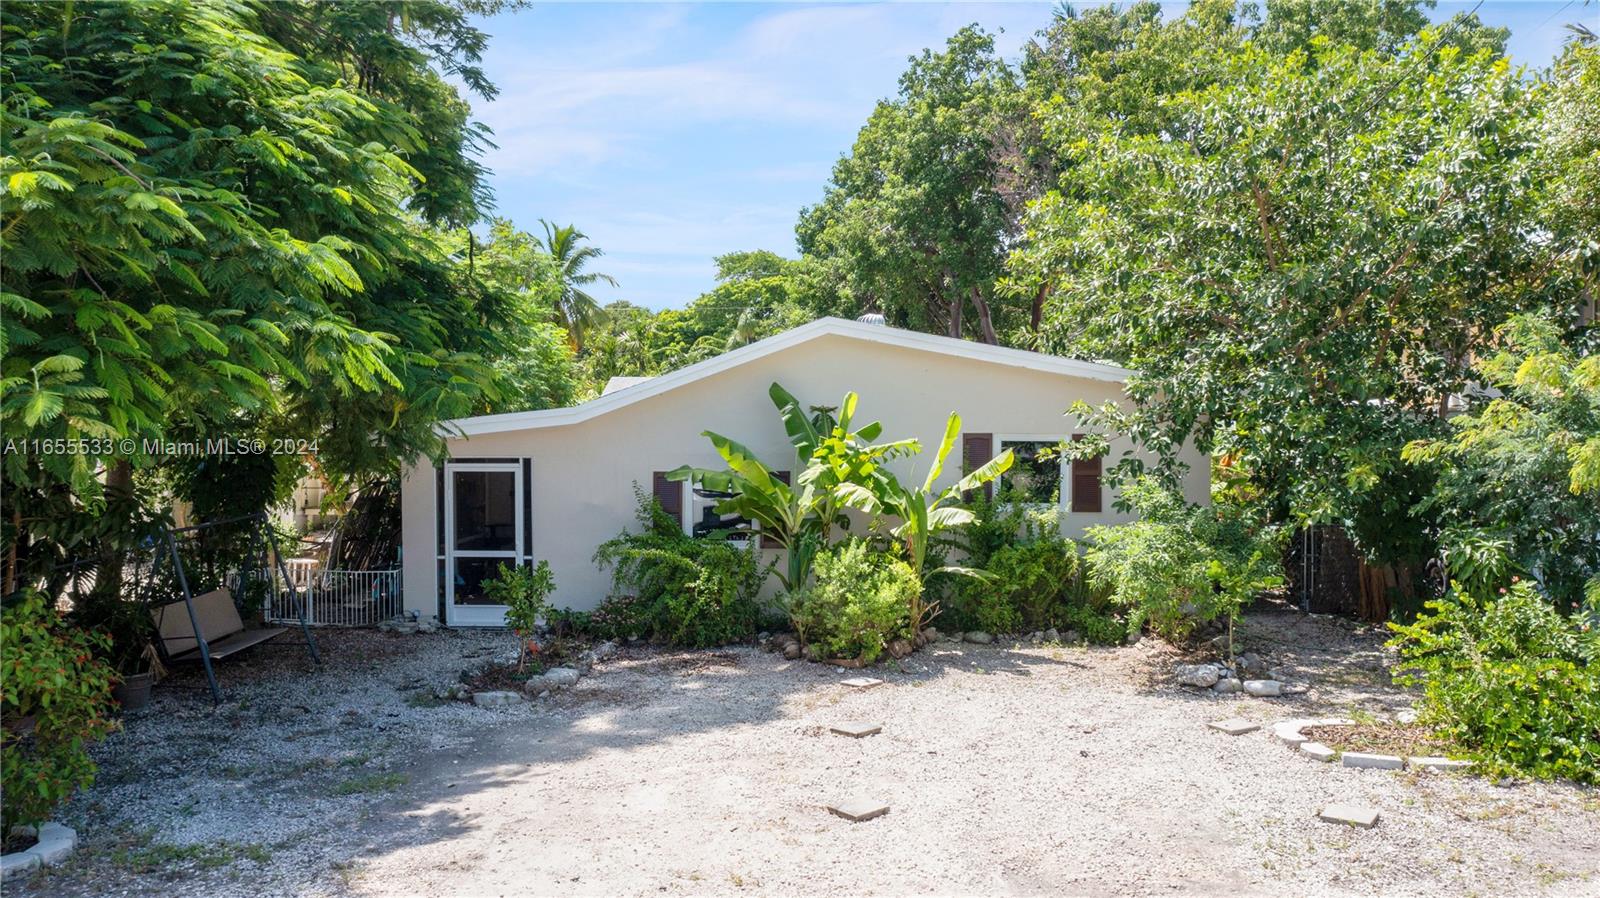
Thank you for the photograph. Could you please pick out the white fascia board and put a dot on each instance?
(874, 333)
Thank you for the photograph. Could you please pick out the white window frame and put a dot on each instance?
(1063, 472)
(478, 615)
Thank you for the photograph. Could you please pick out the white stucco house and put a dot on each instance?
(554, 484)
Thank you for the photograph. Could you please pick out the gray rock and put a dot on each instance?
(1441, 764)
(1133, 638)
(1252, 665)
(1263, 688)
(495, 699)
(56, 844)
(18, 863)
(1202, 675)
(1318, 752)
(605, 651)
(1220, 643)
(1226, 687)
(24, 831)
(1071, 637)
(979, 637)
(1234, 726)
(900, 648)
(1052, 635)
(558, 677)
(791, 651)
(930, 633)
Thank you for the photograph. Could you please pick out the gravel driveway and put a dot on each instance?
(1009, 769)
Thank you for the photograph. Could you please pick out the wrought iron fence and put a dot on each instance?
(336, 598)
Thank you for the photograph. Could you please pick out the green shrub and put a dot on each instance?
(1180, 565)
(525, 592)
(1511, 679)
(860, 600)
(674, 588)
(1097, 626)
(52, 678)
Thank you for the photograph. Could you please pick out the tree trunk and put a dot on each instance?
(1037, 318)
(985, 320)
(956, 305)
(119, 491)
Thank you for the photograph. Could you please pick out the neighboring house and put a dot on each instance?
(556, 483)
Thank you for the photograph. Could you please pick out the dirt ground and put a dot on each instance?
(1009, 770)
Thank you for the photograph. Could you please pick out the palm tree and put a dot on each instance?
(576, 310)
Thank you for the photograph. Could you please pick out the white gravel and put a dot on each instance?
(1009, 770)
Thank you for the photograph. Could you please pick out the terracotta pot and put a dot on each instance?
(133, 693)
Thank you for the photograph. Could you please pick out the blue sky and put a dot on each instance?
(673, 133)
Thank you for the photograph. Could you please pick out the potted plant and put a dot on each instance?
(132, 654)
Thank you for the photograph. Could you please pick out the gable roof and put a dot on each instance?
(622, 396)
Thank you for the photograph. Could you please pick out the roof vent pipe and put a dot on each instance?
(873, 318)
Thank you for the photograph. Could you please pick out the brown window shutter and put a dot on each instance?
(768, 542)
(1085, 483)
(976, 451)
(670, 494)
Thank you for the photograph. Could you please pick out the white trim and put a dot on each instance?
(822, 327)
(1063, 465)
(478, 615)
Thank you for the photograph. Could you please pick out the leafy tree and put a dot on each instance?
(1303, 261)
(576, 310)
(1518, 488)
(917, 213)
(208, 234)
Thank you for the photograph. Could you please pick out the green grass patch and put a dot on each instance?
(377, 782)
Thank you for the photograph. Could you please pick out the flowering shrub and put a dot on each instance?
(1511, 678)
(55, 697)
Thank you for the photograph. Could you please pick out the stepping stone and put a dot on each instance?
(1349, 815)
(859, 810)
(1234, 726)
(1318, 751)
(856, 729)
(862, 682)
(1444, 764)
(1371, 761)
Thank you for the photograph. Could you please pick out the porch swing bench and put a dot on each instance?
(220, 625)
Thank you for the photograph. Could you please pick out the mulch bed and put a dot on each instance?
(1405, 740)
(502, 677)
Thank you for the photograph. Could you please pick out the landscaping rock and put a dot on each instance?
(1372, 761)
(1263, 688)
(1071, 637)
(1349, 815)
(1441, 764)
(1052, 635)
(605, 651)
(1202, 675)
(1318, 752)
(1251, 664)
(560, 677)
(861, 682)
(979, 637)
(900, 648)
(856, 729)
(56, 843)
(791, 651)
(1234, 726)
(18, 863)
(1133, 638)
(1227, 686)
(859, 810)
(1406, 716)
(495, 699)
(931, 634)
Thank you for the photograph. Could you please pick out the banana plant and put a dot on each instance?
(798, 517)
(923, 512)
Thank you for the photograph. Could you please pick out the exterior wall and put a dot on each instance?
(583, 474)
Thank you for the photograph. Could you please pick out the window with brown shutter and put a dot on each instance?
(1085, 483)
(976, 451)
(670, 494)
(768, 542)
